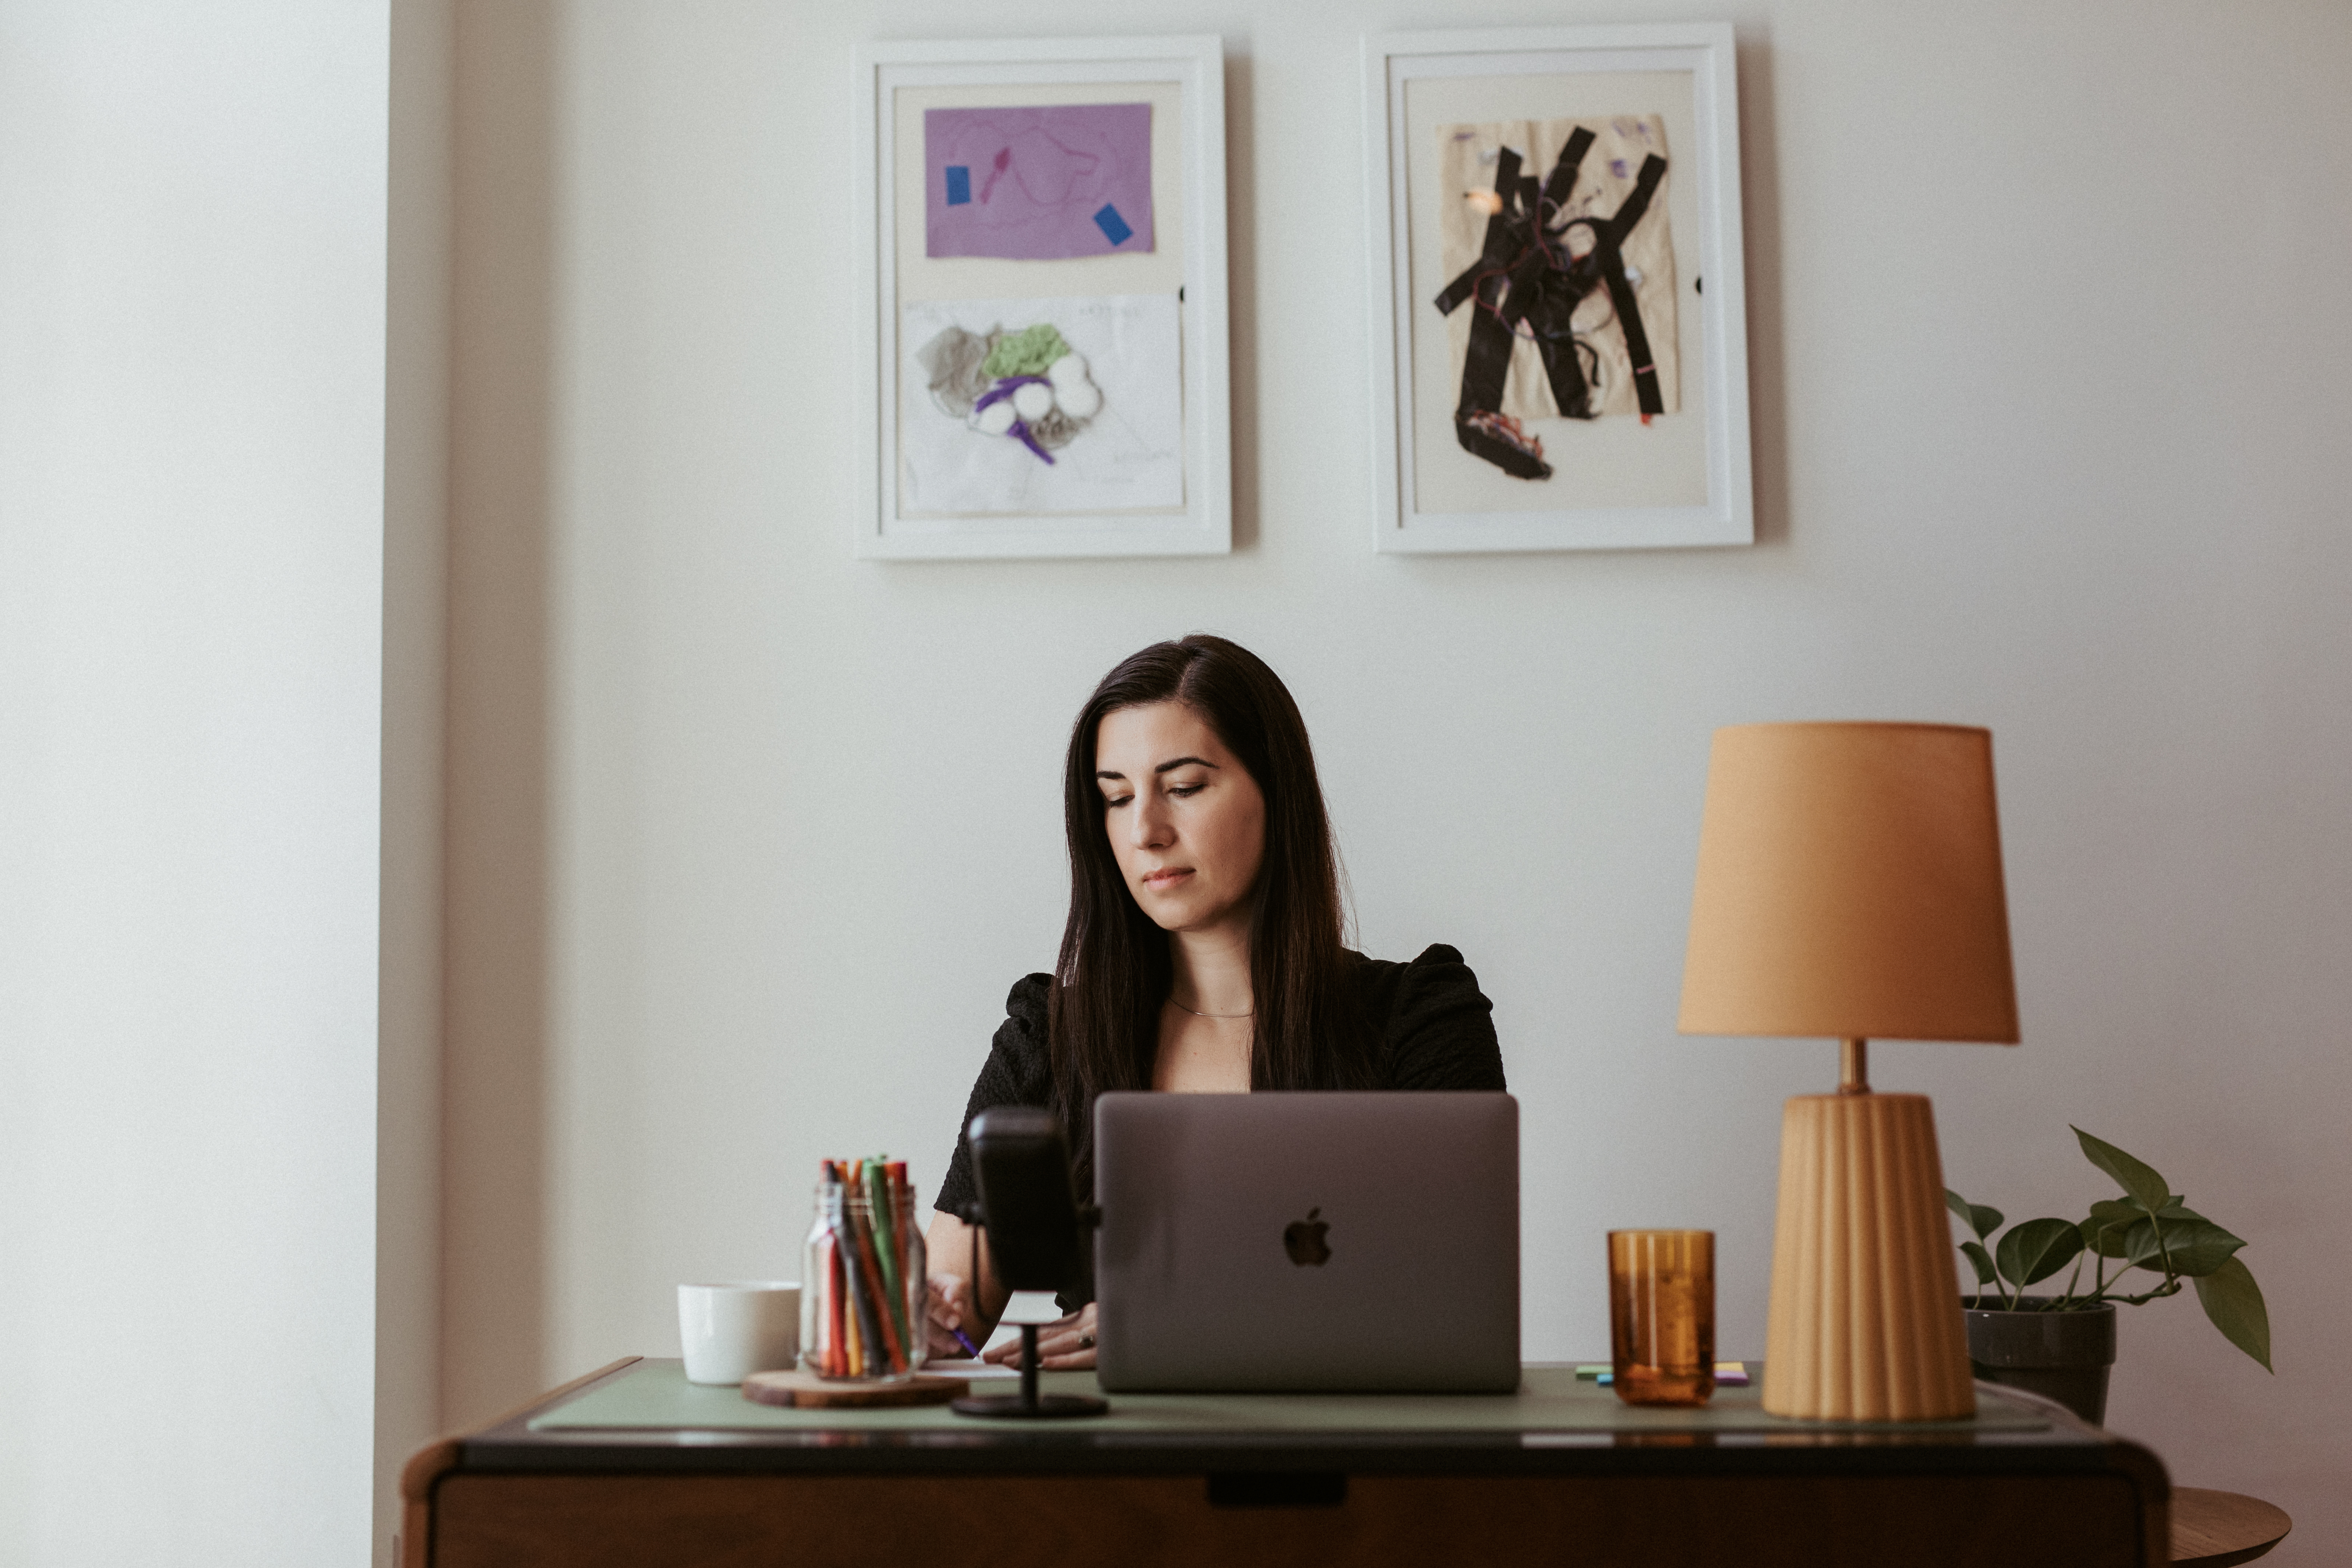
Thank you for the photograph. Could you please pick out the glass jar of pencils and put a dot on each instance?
(862, 1275)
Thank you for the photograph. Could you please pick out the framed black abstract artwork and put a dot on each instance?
(1560, 341)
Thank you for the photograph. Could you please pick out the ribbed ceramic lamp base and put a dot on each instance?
(1866, 1322)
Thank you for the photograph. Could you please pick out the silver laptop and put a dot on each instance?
(1359, 1242)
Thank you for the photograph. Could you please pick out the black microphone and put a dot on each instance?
(1025, 1202)
(1036, 1231)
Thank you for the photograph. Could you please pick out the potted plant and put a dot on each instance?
(2063, 1346)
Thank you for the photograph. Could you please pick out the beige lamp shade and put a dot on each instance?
(1850, 887)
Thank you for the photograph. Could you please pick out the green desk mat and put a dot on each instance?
(653, 1396)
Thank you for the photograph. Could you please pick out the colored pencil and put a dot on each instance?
(902, 1227)
(853, 1344)
(886, 1248)
(836, 1360)
(873, 1299)
(867, 1339)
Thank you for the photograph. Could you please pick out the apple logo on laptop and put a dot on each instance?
(1303, 1239)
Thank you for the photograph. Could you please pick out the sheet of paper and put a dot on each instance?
(964, 1366)
(1038, 183)
(1020, 1307)
(1127, 456)
(1026, 1307)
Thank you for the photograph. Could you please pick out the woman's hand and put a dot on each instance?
(949, 1299)
(1066, 1344)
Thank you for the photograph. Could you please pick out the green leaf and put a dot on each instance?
(2140, 1181)
(2106, 1232)
(1979, 1260)
(2234, 1302)
(2035, 1249)
(2197, 1246)
(1979, 1217)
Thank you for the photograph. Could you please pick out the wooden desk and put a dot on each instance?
(1564, 1474)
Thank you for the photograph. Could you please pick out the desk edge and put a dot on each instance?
(2137, 1462)
(438, 1458)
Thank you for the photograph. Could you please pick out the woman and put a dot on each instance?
(1203, 950)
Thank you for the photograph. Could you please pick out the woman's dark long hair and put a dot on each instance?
(1115, 971)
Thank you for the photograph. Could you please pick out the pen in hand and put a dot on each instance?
(945, 1298)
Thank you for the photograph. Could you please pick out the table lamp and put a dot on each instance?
(1849, 887)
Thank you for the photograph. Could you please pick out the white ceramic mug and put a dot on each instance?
(730, 1332)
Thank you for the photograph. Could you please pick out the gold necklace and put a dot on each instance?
(1181, 1009)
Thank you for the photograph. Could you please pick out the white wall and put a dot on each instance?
(192, 420)
(749, 838)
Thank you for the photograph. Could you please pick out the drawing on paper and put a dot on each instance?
(1037, 183)
(1055, 406)
(1568, 278)
(1025, 386)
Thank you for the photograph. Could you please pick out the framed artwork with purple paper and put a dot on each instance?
(1042, 221)
(1559, 331)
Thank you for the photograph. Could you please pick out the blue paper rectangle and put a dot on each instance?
(1114, 227)
(959, 185)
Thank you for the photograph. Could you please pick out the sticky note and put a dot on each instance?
(1734, 1372)
(958, 184)
(1114, 227)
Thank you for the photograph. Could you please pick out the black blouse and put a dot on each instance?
(1432, 1028)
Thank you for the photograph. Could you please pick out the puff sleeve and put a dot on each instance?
(1440, 1028)
(1018, 1071)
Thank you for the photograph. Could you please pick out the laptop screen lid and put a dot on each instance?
(1279, 1241)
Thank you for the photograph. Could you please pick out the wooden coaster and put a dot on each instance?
(809, 1393)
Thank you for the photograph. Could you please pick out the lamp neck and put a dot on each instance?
(1854, 1066)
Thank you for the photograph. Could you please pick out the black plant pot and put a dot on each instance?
(2064, 1356)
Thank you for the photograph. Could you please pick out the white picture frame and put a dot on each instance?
(1680, 479)
(1183, 80)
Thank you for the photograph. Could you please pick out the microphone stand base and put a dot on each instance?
(1047, 1407)
(1029, 1404)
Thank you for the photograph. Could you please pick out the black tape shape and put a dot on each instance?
(1522, 275)
(1621, 291)
(1513, 461)
(1487, 360)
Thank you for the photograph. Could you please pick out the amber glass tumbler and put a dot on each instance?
(1661, 1315)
